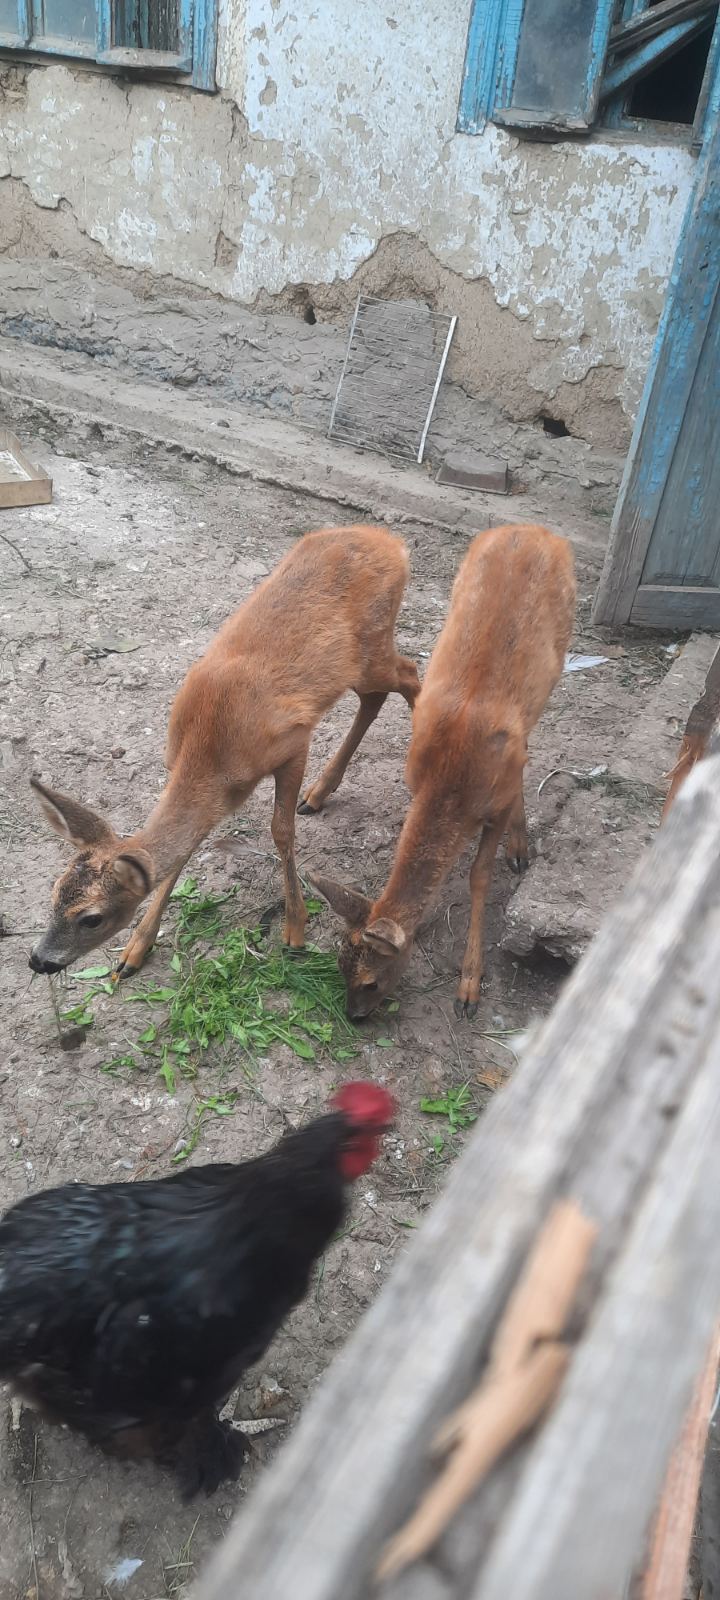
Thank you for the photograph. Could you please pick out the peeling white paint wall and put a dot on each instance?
(335, 132)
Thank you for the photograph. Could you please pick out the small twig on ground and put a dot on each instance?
(499, 1038)
(33, 1556)
(183, 1565)
(424, 953)
(6, 540)
(41, 1483)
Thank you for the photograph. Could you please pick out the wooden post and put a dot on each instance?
(615, 1107)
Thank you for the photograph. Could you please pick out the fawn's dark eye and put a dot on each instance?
(92, 919)
(368, 987)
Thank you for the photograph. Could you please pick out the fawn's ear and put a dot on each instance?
(71, 819)
(134, 871)
(385, 936)
(350, 904)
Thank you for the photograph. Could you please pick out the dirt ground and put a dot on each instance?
(159, 550)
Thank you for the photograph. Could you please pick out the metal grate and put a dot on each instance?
(391, 376)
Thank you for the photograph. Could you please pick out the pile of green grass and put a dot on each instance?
(258, 996)
(228, 987)
(240, 989)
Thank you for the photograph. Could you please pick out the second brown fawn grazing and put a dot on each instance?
(499, 656)
(322, 623)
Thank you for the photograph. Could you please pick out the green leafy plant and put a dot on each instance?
(213, 1104)
(455, 1106)
(79, 1015)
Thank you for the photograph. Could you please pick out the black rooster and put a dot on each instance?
(129, 1311)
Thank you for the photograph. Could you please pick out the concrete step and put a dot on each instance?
(589, 852)
(262, 447)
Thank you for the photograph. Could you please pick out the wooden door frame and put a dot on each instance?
(683, 327)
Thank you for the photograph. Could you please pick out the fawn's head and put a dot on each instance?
(98, 894)
(374, 951)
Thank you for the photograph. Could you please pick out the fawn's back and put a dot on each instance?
(318, 625)
(503, 645)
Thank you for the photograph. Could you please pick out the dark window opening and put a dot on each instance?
(670, 93)
(145, 24)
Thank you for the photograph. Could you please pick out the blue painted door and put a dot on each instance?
(663, 562)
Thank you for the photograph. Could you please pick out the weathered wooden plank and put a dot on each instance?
(676, 356)
(676, 606)
(615, 1105)
(709, 80)
(597, 1468)
(645, 24)
(684, 548)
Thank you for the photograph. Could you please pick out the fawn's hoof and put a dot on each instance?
(124, 969)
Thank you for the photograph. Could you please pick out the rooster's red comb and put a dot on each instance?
(366, 1104)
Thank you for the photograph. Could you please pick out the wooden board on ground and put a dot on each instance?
(21, 483)
(615, 1107)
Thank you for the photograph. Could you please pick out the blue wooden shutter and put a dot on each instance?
(15, 25)
(553, 66)
(492, 22)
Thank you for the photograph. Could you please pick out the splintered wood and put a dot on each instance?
(527, 1363)
(667, 1563)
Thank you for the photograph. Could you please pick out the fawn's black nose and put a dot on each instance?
(40, 963)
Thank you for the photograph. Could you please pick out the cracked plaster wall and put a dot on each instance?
(330, 160)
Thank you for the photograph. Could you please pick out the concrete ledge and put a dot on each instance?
(257, 447)
(593, 847)
(653, 746)
(588, 859)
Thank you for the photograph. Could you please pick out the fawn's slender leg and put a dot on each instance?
(468, 992)
(143, 938)
(401, 678)
(287, 788)
(516, 846)
(332, 775)
(408, 682)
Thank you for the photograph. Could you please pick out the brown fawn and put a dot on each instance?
(321, 623)
(498, 657)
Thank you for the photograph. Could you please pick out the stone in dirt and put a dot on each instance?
(467, 469)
